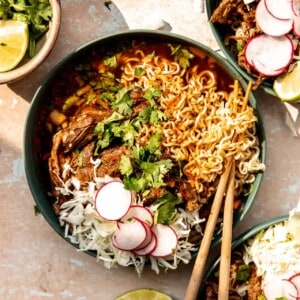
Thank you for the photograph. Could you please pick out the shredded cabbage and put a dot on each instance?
(84, 227)
(274, 252)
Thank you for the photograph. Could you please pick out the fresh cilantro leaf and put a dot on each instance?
(151, 94)
(157, 116)
(138, 153)
(110, 61)
(154, 171)
(104, 141)
(181, 55)
(125, 131)
(126, 166)
(123, 102)
(154, 144)
(135, 184)
(242, 273)
(166, 210)
(139, 71)
(142, 118)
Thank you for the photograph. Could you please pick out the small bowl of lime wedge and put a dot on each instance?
(28, 33)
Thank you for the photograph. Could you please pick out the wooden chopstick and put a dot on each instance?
(224, 271)
(197, 273)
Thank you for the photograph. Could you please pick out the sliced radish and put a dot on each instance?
(166, 240)
(266, 70)
(112, 201)
(296, 26)
(269, 24)
(278, 287)
(147, 250)
(280, 9)
(260, 54)
(130, 235)
(142, 213)
(295, 279)
(148, 237)
(296, 7)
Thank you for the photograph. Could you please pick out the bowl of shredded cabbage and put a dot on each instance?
(265, 263)
(126, 140)
(261, 40)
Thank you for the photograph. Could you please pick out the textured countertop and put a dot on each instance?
(35, 263)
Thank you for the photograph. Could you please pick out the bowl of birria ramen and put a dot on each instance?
(126, 140)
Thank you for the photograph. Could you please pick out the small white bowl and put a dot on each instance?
(44, 47)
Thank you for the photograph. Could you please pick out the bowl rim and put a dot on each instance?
(52, 35)
(267, 87)
(31, 171)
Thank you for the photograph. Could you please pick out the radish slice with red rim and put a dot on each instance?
(147, 250)
(295, 279)
(112, 200)
(166, 240)
(280, 9)
(278, 287)
(269, 24)
(259, 52)
(138, 211)
(296, 26)
(130, 235)
(296, 7)
(148, 237)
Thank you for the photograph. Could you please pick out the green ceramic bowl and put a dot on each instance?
(241, 239)
(37, 171)
(219, 32)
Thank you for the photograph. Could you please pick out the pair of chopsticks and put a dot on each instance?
(225, 186)
(226, 180)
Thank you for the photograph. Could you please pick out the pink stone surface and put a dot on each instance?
(35, 263)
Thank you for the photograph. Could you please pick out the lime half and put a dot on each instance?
(144, 294)
(287, 86)
(14, 41)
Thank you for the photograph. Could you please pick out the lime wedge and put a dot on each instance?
(144, 294)
(287, 86)
(14, 39)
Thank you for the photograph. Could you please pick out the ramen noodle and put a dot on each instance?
(162, 119)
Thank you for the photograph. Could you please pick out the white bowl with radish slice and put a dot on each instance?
(264, 49)
(266, 256)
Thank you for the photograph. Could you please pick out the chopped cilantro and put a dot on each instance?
(110, 61)
(243, 273)
(126, 166)
(157, 116)
(166, 210)
(154, 145)
(123, 102)
(135, 184)
(181, 55)
(125, 131)
(139, 71)
(151, 94)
